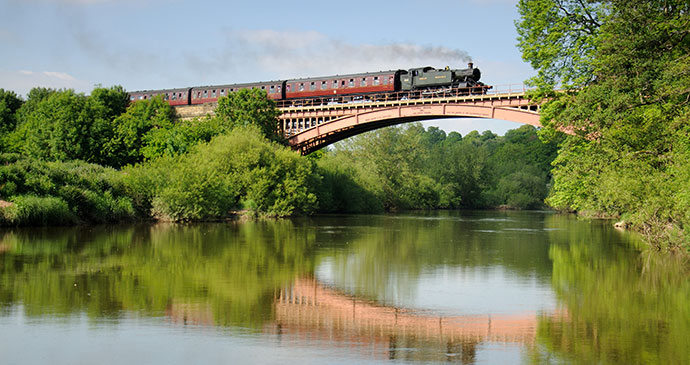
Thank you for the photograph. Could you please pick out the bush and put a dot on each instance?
(36, 211)
(240, 170)
(92, 193)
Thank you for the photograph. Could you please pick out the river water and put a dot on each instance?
(466, 287)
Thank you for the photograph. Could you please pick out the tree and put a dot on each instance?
(251, 107)
(9, 104)
(558, 38)
(58, 127)
(130, 130)
(627, 108)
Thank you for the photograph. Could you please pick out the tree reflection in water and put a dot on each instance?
(615, 304)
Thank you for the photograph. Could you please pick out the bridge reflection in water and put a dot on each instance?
(307, 310)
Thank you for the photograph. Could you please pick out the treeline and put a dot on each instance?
(623, 68)
(68, 158)
(408, 167)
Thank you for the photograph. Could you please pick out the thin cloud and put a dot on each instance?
(291, 54)
(22, 81)
(59, 75)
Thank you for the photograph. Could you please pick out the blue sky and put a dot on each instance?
(152, 44)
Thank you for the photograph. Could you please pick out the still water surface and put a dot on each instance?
(466, 287)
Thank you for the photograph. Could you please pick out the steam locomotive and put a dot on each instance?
(426, 79)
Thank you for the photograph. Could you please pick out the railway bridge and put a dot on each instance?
(310, 124)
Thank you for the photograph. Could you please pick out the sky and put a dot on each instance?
(156, 44)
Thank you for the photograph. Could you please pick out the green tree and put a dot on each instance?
(627, 111)
(558, 38)
(59, 127)
(251, 107)
(239, 170)
(131, 128)
(9, 104)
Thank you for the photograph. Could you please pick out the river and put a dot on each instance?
(466, 287)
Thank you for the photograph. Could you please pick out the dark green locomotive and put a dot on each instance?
(429, 78)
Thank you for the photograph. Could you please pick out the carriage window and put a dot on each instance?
(364, 82)
(335, 84)
(272, 89)
(301, 87)
(213, 95)
(174, 96)
(198, 95)
(279, 88)
(222, 92)
(352, 82)
(231, 90)
(312, 86)
(287, 88)
(323, 85)
(166, 97)
(376, 80)
(205, 93)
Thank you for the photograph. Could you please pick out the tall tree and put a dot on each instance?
(251, 107)
(627, 109)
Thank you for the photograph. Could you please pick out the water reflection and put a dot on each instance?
(232, 270)
(469, 263)
(623, 306)
(309, 309)
(437, 286)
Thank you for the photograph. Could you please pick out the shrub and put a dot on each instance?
(37, 211)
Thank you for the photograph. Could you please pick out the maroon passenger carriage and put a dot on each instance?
(172, 96)
(332, 86)
(209, 94)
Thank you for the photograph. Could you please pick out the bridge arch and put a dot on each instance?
(310, 128)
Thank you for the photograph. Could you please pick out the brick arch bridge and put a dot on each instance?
(312, 124)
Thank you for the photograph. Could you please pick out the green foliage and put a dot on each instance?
(558, 37)
(89, 192)
(25, 210)
(63, 125)
(9, 104)
(627, 155)
(240, 170)
(131, 130)
(250, 107)
(412, 168)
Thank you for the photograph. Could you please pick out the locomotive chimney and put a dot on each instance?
(470, 65)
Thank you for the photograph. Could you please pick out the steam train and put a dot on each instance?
(423, 78)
